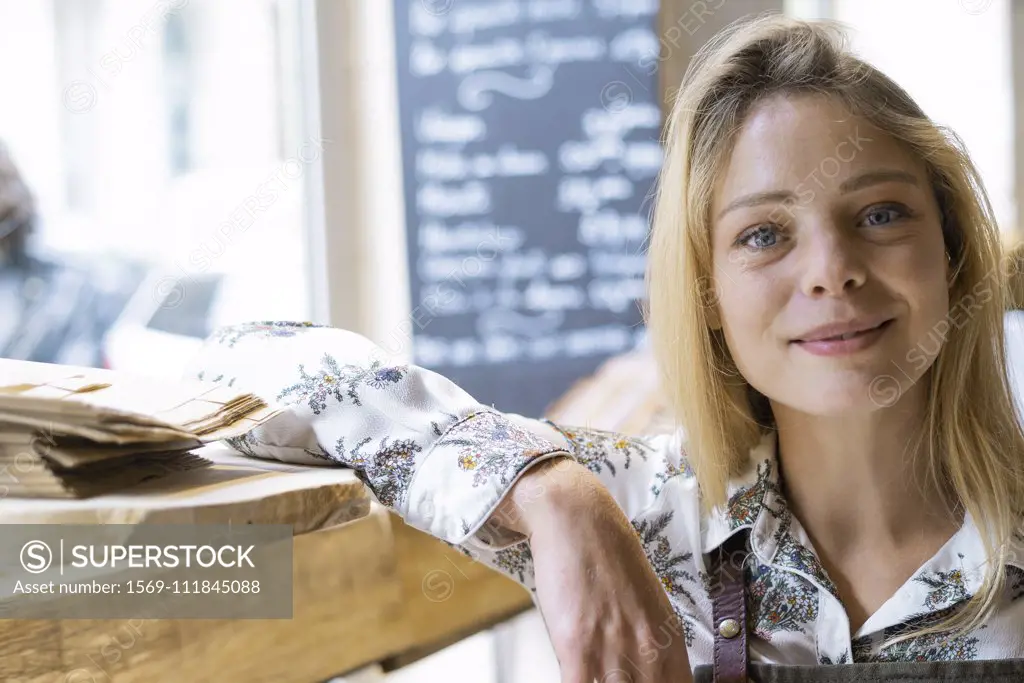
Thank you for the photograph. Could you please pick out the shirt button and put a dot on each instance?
(729, 628)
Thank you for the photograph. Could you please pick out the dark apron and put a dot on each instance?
(729, 609)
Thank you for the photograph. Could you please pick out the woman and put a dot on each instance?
(825, 306)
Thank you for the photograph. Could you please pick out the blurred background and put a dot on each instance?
(139, 131)
(169, 166)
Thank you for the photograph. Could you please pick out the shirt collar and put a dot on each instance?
(755, 502)
(951, 576)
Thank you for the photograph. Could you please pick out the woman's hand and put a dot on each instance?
(606, 612)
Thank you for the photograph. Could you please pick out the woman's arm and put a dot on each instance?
(476, 478)
(426, 448)
(607, 613)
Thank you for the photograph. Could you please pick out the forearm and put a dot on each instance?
(554, 487)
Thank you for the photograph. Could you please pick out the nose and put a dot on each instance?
(832, 264)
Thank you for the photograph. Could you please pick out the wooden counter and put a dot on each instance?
(367, 588)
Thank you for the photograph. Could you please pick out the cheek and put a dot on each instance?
(918, 278)
(924, 261)
(924, 284)
(934, 320)
(747, 307)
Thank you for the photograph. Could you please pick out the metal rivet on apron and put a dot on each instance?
(729, 628)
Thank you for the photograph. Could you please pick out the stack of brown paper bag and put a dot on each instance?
(72, 432)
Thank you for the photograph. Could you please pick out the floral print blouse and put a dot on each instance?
(443, 462)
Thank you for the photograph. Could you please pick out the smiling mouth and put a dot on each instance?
(851, 335)
(846, 336)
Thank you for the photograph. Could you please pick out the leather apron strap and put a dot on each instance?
(729, 610)
(981, 671)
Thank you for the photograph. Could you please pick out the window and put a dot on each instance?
(163, 145)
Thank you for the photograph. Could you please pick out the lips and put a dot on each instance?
(849, 335)
(843, 331)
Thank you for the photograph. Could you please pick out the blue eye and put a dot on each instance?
(882, 216)
(763, 237)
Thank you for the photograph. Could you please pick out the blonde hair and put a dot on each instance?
(975, 445)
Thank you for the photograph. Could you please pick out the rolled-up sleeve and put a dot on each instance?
(426, 448)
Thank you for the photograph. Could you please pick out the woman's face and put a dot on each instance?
(821, 225)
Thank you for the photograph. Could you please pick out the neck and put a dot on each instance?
(861, 481)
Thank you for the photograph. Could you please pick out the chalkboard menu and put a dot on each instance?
(530, 144)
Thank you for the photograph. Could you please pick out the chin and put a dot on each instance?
(858, 396)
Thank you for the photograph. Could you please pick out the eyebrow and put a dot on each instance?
(875, 177)
(859, 182)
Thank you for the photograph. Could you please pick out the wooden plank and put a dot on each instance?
(344, 585)
(345, 590)
(238, 489)
(372, 590)
(29, 650)
(115, 650)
